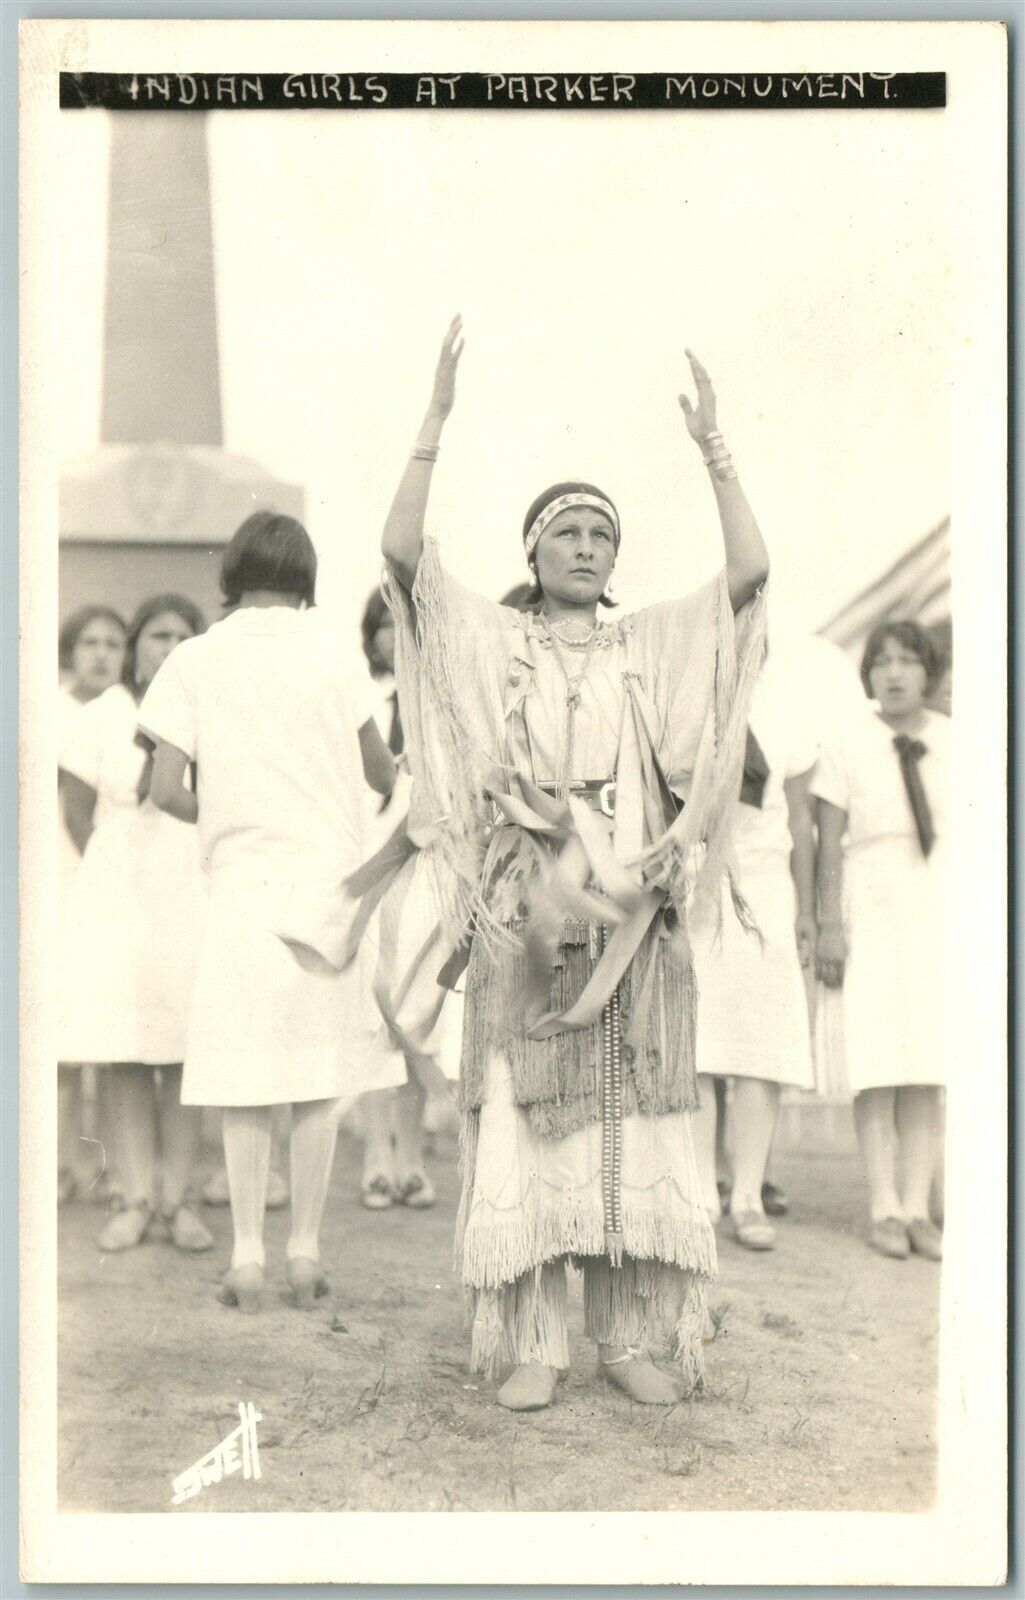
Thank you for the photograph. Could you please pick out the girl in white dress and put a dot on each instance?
(135, 915)
(882, 782)
(391, 1120)
(91, 654)
(752, 1002)
(274, 714)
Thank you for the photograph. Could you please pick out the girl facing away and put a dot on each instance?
(274, 712)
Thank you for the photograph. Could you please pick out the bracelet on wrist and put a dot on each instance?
(424, 452)
(716, 456)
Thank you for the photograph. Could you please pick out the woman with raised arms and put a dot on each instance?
(575, 779)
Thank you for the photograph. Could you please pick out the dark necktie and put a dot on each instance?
(756, 774)
(910, 752)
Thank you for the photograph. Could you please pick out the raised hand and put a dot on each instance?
(444, 393)
(700, 418)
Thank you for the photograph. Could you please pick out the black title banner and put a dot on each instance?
(515, 91)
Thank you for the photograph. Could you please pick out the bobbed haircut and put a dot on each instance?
(182, 607)
(535, 594)
(271, 552)
(375, 612)
(74, 626)
(910, 636)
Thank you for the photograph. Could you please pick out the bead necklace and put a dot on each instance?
(573, 683)
(578, 643)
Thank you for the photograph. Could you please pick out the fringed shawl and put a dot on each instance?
(692, 662)
(690, 666)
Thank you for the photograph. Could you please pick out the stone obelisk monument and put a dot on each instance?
(152, 506)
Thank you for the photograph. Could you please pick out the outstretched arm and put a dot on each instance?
(747, 560)
(404, 527)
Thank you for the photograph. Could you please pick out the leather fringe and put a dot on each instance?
(558, 1079)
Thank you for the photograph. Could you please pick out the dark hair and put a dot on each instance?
(518, 597)
(186, 609)
(534, 595)
(375, 612)
(74, 626)
(269, 551)
(912, 637)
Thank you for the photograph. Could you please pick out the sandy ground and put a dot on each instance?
(820, 1395)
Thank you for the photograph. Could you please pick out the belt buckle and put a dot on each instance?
(607, 798)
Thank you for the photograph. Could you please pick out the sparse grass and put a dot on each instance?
(367, 1403)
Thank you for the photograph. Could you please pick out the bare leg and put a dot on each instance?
(755, 1112)
(723, 1146)
(918, 1124)
(874, 1121)
(180, 1132)
(408, 1111)
(412, 1185)
(314, 1135)
(247, 1132)
(69, 1128)
(376, 1111)
(133, 1120)
(108, 1181)
(703, 1130)
(936, 1191)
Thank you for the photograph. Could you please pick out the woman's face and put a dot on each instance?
(155, 643)
(898, 679)
(384, 644)
(97, 658)
(575, 556)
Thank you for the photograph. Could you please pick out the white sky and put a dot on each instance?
(802, 255)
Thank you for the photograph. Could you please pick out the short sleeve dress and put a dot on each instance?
(135, 907)
(752, 1002)
(895, 985)
(268, 704)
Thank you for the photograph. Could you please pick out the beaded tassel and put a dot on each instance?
(612, 1121)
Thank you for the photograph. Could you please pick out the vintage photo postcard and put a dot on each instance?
(513, 802)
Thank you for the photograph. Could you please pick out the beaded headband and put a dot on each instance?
(564, 501)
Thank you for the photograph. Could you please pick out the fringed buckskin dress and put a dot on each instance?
(572, 802)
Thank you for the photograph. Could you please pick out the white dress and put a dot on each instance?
(752, 1002)
(895, 982)
(68, 711)
(269, 705)
(408, 916)
(135, 906)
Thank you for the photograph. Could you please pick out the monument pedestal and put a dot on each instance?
(137, 520)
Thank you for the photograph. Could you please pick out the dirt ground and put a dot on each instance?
(820, 1394)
